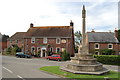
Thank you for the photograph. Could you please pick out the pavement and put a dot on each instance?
(22, 68)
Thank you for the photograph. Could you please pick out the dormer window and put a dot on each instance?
(96, 46)
(58, 40)
(45, 40)
(110, 46)
(33, 40)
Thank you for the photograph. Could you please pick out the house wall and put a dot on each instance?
(116, 47)
(3, 46)
(20, 43)
(50, 41)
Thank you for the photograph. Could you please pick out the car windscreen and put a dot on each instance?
(55, 56)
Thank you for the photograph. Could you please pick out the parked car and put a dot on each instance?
(22, 55)
(54, 57)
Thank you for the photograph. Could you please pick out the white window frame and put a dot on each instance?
(51, 48)
(59, 48)
(57, 40)
(45, 40)
(63, 41)
(34, 49)
(96, 44)
(38, 48)
(16, 41)
(33, 39)
(110, 44)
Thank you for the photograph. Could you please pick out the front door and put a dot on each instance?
(43, 52)
(44, 55)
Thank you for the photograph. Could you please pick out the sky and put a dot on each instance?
(16, 15)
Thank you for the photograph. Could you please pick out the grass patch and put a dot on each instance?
(56, 70)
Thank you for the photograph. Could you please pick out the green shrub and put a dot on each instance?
(12, 50)
(65, 55)
(108, 59)
(8, 50)
(107, 51)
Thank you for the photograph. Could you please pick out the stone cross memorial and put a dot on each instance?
(83, 62)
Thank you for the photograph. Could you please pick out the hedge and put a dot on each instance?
(108, 59)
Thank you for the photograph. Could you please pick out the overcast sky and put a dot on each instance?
(16, 15)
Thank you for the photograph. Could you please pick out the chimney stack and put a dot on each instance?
(71, 23)
(92, 30)
(116, 33)
(31, 25)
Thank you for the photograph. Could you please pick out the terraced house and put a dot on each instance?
(99, 41)
(45, 40)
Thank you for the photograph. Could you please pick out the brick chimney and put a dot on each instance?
(71, 23)
(31, 25)
(116, 33)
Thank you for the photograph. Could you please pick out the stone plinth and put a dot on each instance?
(84, 63)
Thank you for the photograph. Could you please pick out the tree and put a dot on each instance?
(119, 35)
(78, 38)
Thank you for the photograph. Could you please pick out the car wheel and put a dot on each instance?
(58, 59)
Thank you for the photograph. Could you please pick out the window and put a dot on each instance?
(33, 50)
(10, 41)
(45, 40)
(38, 49)
(110, 46)
(51, 49)
(58, 40)
(32, 40)
(96, 52)
(63, 41)
(57, 49)
(16, 41)
(96, 46)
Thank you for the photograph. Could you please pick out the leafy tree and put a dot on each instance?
(119, 35)
(78, 38)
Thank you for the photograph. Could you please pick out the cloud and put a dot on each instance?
(16, 15)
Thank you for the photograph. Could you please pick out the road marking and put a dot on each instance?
(8, 70)
(20, 77)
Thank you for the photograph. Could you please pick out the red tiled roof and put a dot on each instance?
(49, 31)
(17, 36)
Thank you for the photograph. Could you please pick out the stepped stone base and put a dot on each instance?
(84, 64)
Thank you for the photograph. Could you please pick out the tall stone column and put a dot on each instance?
(83, 48)
(83, 62)
(83, 26)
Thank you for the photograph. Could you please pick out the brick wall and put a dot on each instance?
(116, 47)
(51, 42)
(3, 45)
(20, 43)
